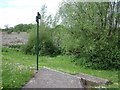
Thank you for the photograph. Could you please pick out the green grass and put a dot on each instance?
(17, 68)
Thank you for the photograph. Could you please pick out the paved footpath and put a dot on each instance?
(48, 78)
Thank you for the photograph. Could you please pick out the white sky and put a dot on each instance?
(13, 12)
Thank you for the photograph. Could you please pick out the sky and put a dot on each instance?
(13, 12)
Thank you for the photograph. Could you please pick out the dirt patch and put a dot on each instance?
(14, 38)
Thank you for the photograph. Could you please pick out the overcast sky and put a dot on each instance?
(13, 12)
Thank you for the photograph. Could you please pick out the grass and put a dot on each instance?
(17, 68)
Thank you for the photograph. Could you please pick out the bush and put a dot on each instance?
(94, 51)
(61, 38)
(46, 44)
(105, 55)
(29, 48)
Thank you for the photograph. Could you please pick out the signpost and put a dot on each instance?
(37, 37)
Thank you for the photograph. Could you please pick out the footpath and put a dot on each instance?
(48, 78)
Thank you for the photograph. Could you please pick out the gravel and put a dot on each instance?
(13, 39)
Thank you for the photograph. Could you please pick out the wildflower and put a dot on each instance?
(1, 88)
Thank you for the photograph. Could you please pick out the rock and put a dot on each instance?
(92, 80)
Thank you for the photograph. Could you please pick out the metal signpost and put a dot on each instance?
(37, 37)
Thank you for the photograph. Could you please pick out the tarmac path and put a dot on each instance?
(48, 78)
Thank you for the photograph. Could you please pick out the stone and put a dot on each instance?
(92, 80)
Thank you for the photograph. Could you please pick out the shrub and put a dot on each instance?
(9, 31)
(94, 51)
(46, 45)
(105, 55)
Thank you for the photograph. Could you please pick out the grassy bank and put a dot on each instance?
(18, 68)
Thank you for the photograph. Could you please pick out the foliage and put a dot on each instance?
(19, 28)
(59, 34)
(46, 44)
(105, 55)
(86, 31)
(92, 35)
(30, 46)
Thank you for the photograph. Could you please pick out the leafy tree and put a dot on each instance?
(23, 27)
(93, 28)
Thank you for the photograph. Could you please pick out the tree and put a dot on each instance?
(6, 27)
(93, 28)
